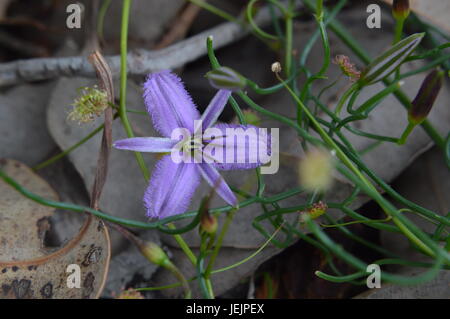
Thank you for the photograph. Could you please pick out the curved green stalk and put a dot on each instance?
(68, 150)
(225, 15)
(123, 84)
(101, 17)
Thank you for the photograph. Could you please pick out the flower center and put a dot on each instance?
(192, 144)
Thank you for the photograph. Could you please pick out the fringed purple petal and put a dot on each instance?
(171, 188)
(168, 103)
(216, 181)
(146, 144)
(246, 147)
(215, 108)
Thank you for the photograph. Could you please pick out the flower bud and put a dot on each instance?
(276, 67)
(226, 78)
(389, 61)
(428, 92)
(400, 9)
(155, 254)
(208, 223)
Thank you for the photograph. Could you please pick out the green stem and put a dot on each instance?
(243, 261)
(399, 23)
(390, 211)
(406, 133)
(101, 17)
(123, 84)
(179, 275)
(68, 150)
(255, 29)
(319, 5)
(204, 5)
(209, 287)
(134, 223)
(219, 242)
(348, 39)
(184, 246)
(124, 117)
(344, 98)
(288, 42)
(361, 266)
(340, 279)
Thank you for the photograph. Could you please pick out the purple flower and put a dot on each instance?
(197, 147)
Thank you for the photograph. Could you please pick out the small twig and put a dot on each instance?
(140, 62)
(180, 26)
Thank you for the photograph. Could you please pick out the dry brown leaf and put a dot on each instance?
(30, 270)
